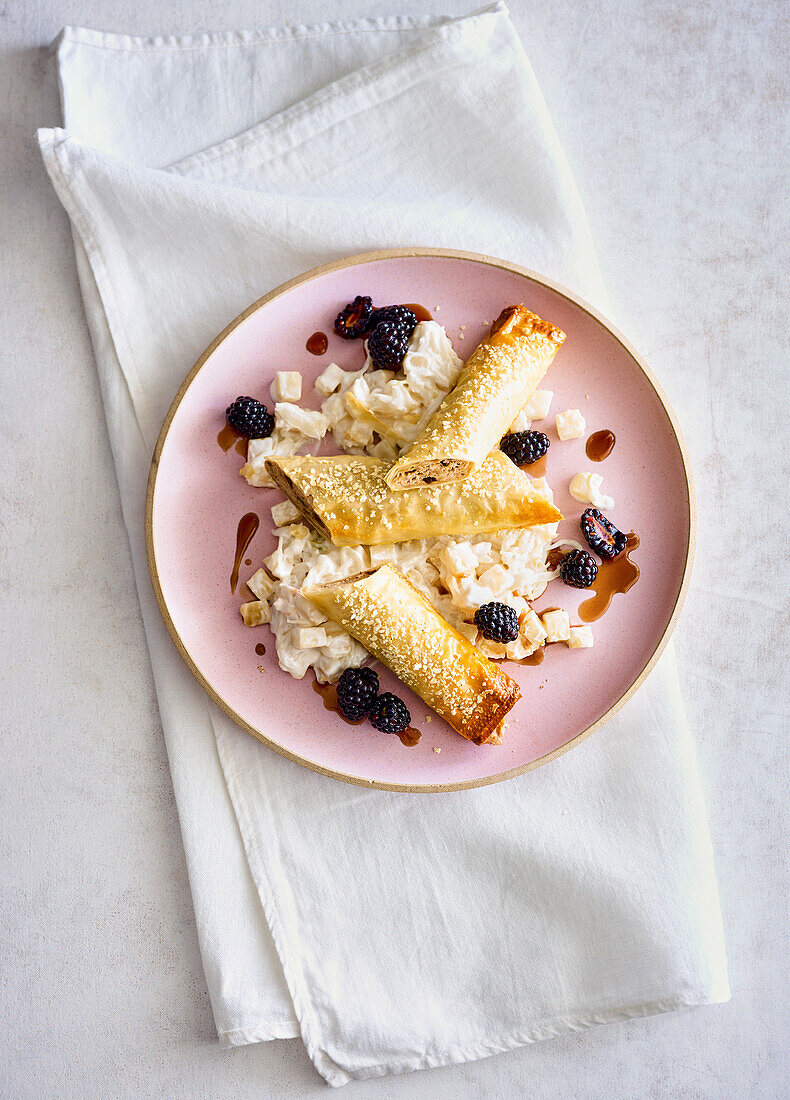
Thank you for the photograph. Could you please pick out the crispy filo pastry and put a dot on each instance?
(395, 622)
(492, 389)
(347, 500)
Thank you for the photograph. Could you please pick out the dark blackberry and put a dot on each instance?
(387, 345)
(390, 714)
(353, 321)
(357, 689)
(402, 316)
(579, 569)
(524, 448)
(250, 417)
(601, 534)
(497, 622)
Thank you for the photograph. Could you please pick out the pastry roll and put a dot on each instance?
(395, 622)
(493, 387)
(346, 499)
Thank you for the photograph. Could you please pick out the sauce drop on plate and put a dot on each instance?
(600, 445)
(410, 737)
(260, 649)
(318, 343)
(228, 436)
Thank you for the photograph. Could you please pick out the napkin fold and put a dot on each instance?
(390, 931)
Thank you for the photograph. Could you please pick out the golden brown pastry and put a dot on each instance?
(493, 387)
(396, 623)
(346, 499)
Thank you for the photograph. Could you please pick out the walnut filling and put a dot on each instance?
(433, 472)
(297, 497)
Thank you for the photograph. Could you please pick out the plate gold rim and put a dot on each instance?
(407, 253)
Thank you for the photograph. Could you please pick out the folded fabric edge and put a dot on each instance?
(336, 1076)
(258, 1033)
(450, 41)
(223, 39)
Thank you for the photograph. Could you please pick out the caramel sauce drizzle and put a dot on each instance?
(248, 525)
(615, 576)
(328, 692)
(600, 445)
(420, 312)
(410, 736)
(536, 468)
(318, 343)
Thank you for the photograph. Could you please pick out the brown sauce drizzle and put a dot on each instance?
(318, 343)
(248, 525)
(614, 577)
(410, 736)
(228, 436)
(328, 693)
(420, 312)
(260, 649)
(537, 468)
(600, 445)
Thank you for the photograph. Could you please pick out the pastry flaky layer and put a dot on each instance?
(396, 623)
(492, 389)
(347, 500)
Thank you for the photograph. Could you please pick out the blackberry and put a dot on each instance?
(524, 448)
(579, 569)
(353, 321)
(250, 417)
(357, 689)
(390, 714)
(387, 345)
(402, 316)
(601, 534)
(497, 622)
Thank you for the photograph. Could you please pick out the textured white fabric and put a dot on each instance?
(400, 931)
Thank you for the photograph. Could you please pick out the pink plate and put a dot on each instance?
(196, 498)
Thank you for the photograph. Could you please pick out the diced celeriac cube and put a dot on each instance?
(261, 584)
(537, 408)
(338, 645)
(495, 578)
(581, 637)
(329, 380)
(495, 650)
(287, 386)
(284, 513)
(360, 433)
(557, 625)
(586, 488)
(531, 629)
(570, 424)
(469, 630)
(255, 613)
(460, 559)
(311, 637)
(522, 423)
(312, 424)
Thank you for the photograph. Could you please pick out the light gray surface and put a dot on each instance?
(672, 115)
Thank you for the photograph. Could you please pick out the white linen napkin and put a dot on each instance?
(391, 931)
